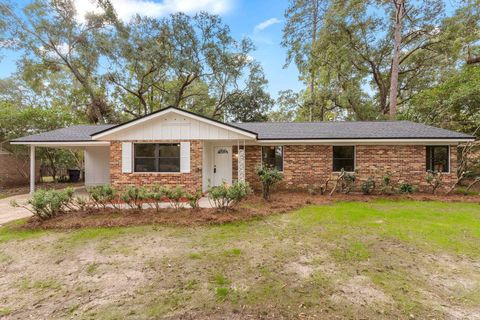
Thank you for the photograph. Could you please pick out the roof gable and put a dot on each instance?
(173, 124)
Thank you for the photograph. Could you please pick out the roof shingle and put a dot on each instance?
(287, 131)
(348, 130)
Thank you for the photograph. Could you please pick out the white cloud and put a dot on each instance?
(126, 9)
(265, 24)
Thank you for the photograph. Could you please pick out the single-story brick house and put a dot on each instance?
(176, 147)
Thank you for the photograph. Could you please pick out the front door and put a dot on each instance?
(222, 165)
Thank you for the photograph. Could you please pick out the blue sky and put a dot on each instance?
(262, 21)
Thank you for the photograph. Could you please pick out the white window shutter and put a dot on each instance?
(185, 157)
(126, 157)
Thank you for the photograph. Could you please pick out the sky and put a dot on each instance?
(260, 20)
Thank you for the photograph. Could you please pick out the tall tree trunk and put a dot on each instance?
(397, 38)
(312, 71)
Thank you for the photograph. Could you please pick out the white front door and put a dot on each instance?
(222, 165)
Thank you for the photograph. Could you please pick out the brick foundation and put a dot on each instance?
(190, 181)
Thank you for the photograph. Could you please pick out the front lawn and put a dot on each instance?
(381, 259)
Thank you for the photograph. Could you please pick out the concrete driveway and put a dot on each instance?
(9, 213)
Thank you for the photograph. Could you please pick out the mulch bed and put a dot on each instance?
(253, 207)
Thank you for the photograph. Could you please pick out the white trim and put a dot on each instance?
(365, 141)
(64, 143)
(171, 110)
(32, 169)
(354, 157)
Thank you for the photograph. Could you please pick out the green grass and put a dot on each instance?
(11, 231)
(436, 226)
(287, 265)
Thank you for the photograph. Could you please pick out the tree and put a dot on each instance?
(187, 62)
(452, 104)
(359, 34)
(50, 36)
(303, 22)
(399, 15)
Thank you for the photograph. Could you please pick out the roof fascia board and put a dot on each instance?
(160, 113)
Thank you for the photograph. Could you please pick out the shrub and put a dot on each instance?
(406, 188)
(193, 199)
(134, 197)
(387, 187)
(175, 196)
(269, 177)
(155, 194)
(368, 186)
(47, 204)
(435, 179)
(346, 181)
(225, 196)
(103, 196)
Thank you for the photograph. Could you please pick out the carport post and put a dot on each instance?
(32, 169)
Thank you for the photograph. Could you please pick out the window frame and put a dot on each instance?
(157, 158)
(448, 157)
(354, 157)
(283, 155)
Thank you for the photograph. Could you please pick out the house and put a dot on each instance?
(176, 147)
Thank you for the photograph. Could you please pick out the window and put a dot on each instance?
(273, 157)
(438, 158)
(343, 158)
(150, 157)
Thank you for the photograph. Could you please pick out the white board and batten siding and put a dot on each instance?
(127, 157)
(173, 126)
(97, 165)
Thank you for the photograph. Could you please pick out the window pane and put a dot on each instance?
(145, 150)
(169, 164)
(343, 158)
(273, 157)
(169, 150)
(144, 164)
(437, 158)
(343, 152)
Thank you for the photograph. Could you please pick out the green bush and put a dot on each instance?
(103, 196)
(224, 196)
(269, 177)
(368, 186)
(406, 188)
(46, 204)
(134, 197)
(155, 195)
(434, 179)
(175, 196)
(386, 186)
(194, 198)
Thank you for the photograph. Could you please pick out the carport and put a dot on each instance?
(97, 153)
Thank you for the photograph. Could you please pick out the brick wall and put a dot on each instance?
(11, 170)
(305, 165)
(190, 181)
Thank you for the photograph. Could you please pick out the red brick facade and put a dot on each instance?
(304, 165)
(190, 181)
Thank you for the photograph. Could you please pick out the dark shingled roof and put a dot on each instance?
(74, 133)
(286, 131)
(348, 130)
